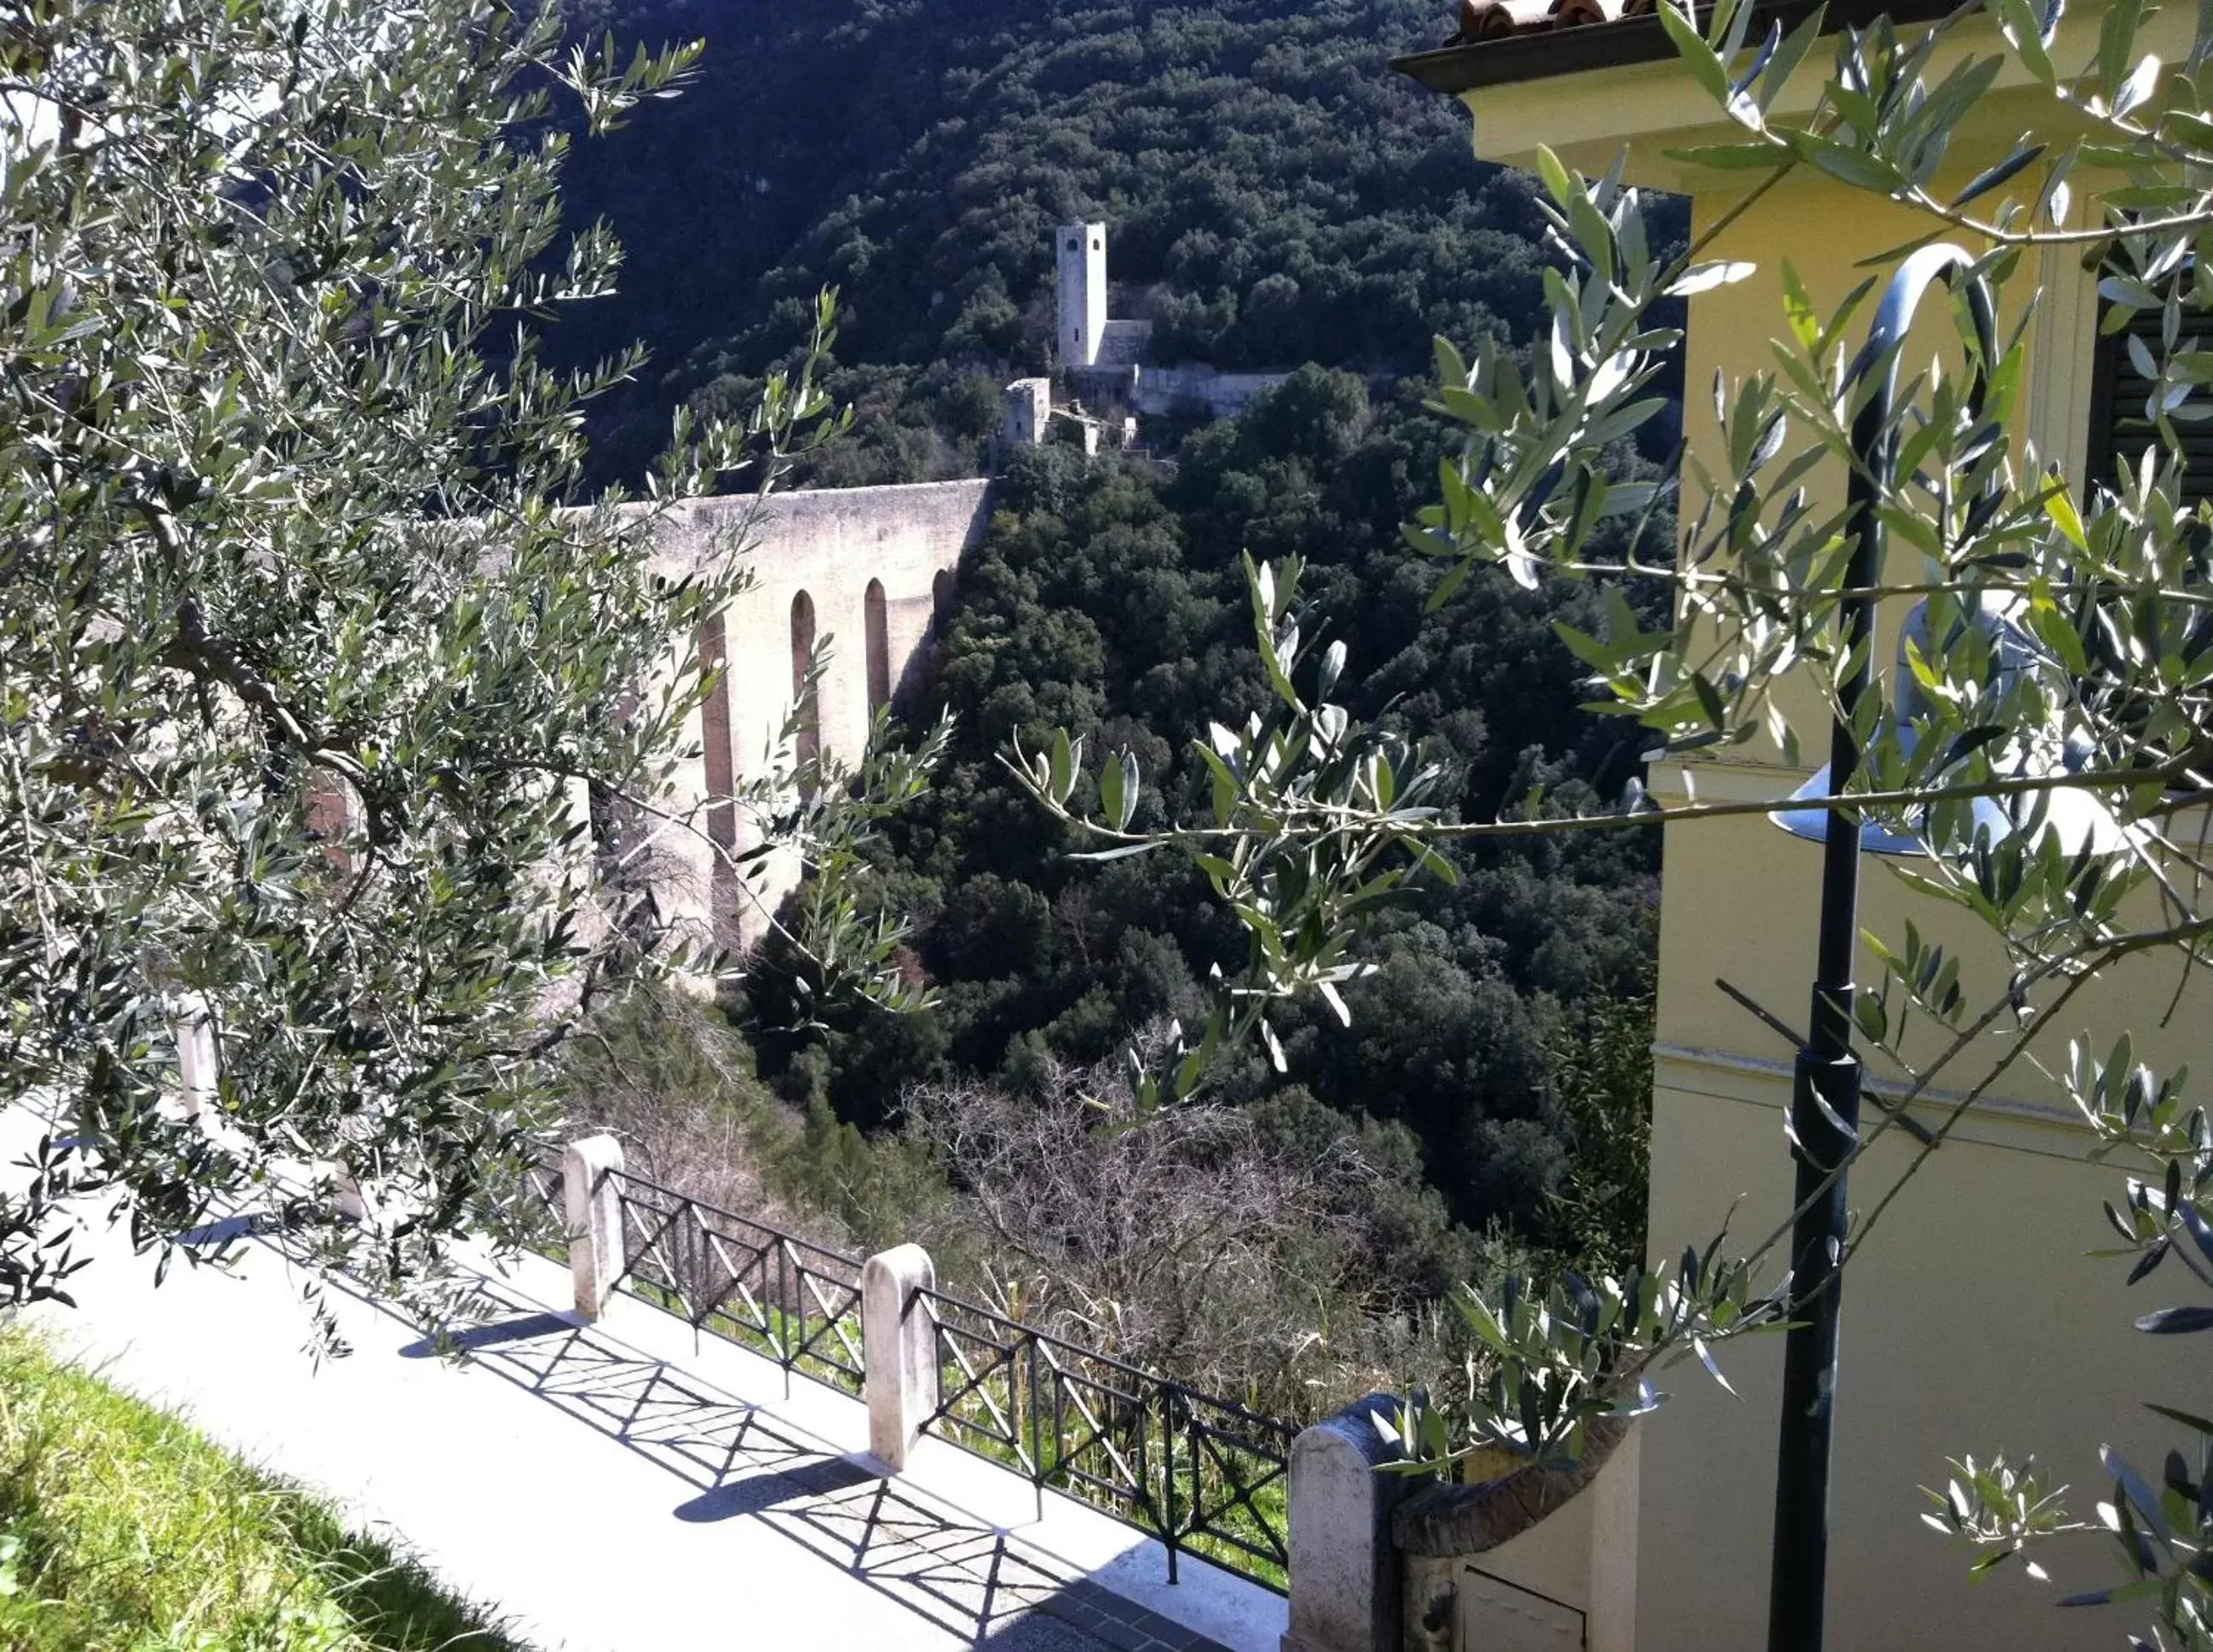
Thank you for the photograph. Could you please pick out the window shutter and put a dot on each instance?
(2120, 432)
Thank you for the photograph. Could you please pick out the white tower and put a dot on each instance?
(1080, 251)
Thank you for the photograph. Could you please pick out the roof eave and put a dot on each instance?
(1465, 67)
(1469, 65)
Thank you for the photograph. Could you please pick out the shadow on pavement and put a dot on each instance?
(966, 1578)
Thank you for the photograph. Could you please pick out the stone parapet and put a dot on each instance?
(1531, 1560)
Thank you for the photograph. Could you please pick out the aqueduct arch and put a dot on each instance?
(867, 568)
(807, 703)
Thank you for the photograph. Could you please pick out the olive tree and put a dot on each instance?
(329, 722)
(2046, 741)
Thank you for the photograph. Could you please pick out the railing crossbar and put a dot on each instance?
(742, 1279)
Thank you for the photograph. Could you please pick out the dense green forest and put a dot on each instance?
(1276, 197)
(1109, 598)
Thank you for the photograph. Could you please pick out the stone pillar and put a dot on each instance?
(198, 1072)
(354, 1202)
(1346, 1588)
(333, 817)
(595, 1236)
(899, 1350)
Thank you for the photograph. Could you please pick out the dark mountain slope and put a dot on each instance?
(1276, 194)
(1276, 197)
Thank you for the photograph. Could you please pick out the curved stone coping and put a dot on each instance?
(1442, 1520)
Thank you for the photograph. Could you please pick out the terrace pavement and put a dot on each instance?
(627, 1486)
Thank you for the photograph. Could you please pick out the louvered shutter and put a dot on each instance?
(2120, 432)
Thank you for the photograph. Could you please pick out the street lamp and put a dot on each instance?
(2075, 817)
(1824, 1102)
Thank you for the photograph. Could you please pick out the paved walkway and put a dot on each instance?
(627, 1487)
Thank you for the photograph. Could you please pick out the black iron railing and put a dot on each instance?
(735, 1277)
(1201, 1474)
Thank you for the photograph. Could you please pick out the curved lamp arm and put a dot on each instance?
(1875, 472)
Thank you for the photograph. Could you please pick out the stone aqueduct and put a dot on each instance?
(870, 568)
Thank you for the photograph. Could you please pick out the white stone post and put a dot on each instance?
(1345, 1586)
(594, 1216)
(198, 1072)
(899, 1350)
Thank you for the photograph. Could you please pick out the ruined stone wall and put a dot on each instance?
(1028, 419)
(1164, 391)
(1125, 344)
(867, 568)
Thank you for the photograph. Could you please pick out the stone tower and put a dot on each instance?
(1029, 413)
(1080, 251)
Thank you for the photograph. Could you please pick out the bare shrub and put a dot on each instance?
(1260, 1265)
(671, 1080)
(1178, 1239)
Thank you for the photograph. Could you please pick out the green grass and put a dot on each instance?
(123, 1530)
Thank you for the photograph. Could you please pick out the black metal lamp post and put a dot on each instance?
(1824, 1104)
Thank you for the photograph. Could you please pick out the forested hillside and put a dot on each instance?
(1275, 195)
(1110, 599)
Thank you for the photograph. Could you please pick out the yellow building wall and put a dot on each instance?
(1973, 1322)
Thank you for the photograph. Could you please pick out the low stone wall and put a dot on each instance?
(1533, 1559)
(1525, 1560)
(1166, 391)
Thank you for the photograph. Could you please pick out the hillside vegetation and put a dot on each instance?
(1276, 197)
(1109, 598)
